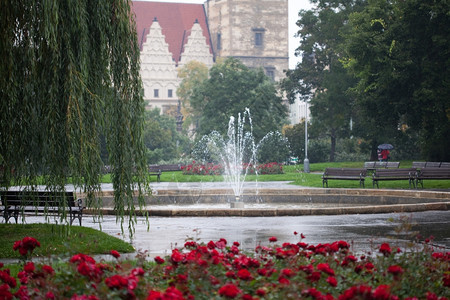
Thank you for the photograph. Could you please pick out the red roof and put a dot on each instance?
(175, 19)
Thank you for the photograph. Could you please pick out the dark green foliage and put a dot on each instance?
(320, 75)
(69, 75)
(230, 89)
(273, 148)
(399, 51)
(296, 138)
(161, 138)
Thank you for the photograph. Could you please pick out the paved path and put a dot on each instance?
(362, 230)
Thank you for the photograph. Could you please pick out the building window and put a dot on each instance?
(156, 93)
(259, 36)
(170, 93)
(270, 72)
(219, 41)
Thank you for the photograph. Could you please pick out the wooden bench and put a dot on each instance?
(394, 174)
(156, 170)
(373, 165)
(344, 174)
(432, 173)
(445, 165)
(44, 202)
(418, 164)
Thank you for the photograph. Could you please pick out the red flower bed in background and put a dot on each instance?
(218, 169)
(217, 270)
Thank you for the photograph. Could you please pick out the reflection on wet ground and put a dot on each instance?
(364, 231)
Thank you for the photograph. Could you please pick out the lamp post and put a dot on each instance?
(306, 161)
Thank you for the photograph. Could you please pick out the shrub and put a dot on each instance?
(218, 269)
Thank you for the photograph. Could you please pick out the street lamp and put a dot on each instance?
(306, 161)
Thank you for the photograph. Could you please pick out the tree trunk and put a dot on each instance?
(333, 144)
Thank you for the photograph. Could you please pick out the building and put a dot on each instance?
(254, 31)
(169, 35)
(172, 34)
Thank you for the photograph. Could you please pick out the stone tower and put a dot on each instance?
(254, 31)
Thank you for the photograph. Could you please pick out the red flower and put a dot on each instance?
(5, 292)
(176, 256)
(283, 280)
(27, 244)
(116, 282)
(273, 239)
(395, 270)
(332, 281)
(385, 249)
(159, 260)
(48, 269)
(244, 274)
(229, 290)
(382, 292)
(324, 267)
(114, 253)
(287, 272)
(29, 267)
(315, 276)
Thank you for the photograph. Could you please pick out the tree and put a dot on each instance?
(230, 89)
(161, 138)
(320, 76)
(70, 73)
(399, 52)
(193, 74)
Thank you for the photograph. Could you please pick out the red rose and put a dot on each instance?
(114, 253)
(244, 274)
(385, 249)
(273, 239)
(332, 281)
(159, 260)
(229, 290)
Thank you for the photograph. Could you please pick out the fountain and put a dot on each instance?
(237, 153)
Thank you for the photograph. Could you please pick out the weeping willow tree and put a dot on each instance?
(69, 75)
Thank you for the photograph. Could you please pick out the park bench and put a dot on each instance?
(445, 165)
(373, 165)
(156, 170)
(344, 174)
(418, 164)
(394, 174)
(432, 173)
(40, 202)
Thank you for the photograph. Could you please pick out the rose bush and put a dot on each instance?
(217, 270)
(217, 169)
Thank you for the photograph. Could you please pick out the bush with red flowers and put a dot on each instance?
(217, 169)
(217, 270)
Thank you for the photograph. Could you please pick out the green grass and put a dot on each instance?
(296, 175)
(57, 240)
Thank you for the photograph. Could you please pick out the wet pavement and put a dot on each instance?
(364, 231)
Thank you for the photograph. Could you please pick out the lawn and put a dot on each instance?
(295, 174)
(59, 240)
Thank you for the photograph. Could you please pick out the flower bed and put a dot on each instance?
(216, 169)
(218, 270)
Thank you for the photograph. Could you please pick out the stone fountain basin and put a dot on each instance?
(287, 202)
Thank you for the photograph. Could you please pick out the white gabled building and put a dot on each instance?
(170, 35)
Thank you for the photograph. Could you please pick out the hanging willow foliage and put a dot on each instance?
(69, 75)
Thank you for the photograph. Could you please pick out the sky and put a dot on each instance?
(294, 7)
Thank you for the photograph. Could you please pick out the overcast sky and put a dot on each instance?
(294, 7)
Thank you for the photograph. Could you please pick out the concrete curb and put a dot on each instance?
(342, 201)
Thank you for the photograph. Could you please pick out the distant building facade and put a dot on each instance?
(254, 31)
(172, 34)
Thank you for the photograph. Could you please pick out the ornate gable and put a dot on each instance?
(196, 48)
